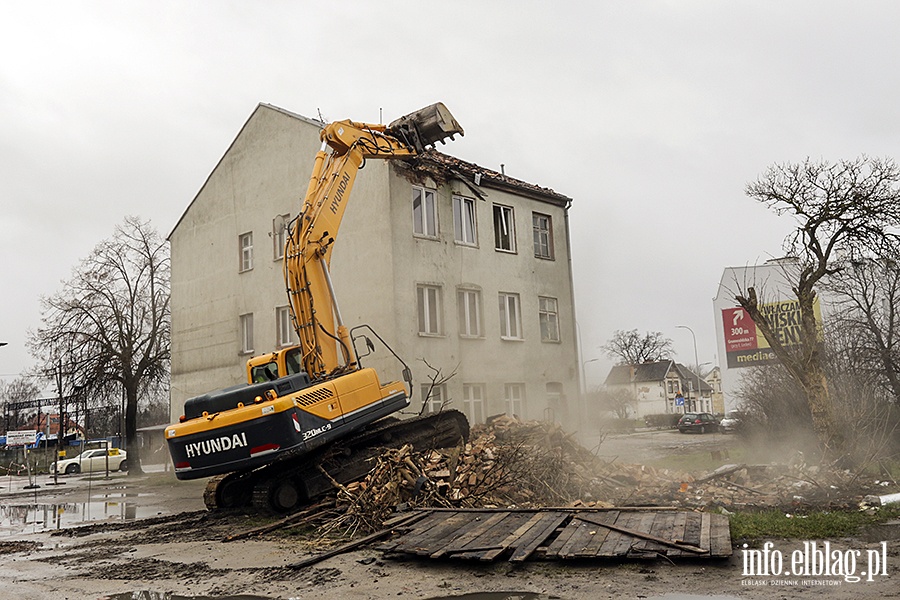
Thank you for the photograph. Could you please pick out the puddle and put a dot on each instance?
(33, 518)
(170, 596)
(693, 597)
(498, 596)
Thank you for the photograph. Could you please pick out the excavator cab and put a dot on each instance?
(271, 366)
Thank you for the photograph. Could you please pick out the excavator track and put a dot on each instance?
(295, 480)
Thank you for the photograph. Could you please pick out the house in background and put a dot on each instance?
(657, 386)
(464, 271)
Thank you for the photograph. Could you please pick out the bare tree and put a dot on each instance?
(18, 390)
(843, 208)
(107, 330)
(632, 348)
(867, 297)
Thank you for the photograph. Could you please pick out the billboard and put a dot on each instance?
(745, 345)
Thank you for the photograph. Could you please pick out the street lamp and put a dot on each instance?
(583, 376)
(696, 360)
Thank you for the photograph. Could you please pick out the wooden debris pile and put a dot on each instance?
(512, 464)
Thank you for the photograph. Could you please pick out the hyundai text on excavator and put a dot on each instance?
(311, 415)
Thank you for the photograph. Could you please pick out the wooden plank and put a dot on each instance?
(600, 535)
(692, 529)
(578, 540)
(562, 539)
(720, 541)
(538, 535)
(466, 535)
(419, 541)
(497, 540)
(633, 531)
(646, 544)
(513, 537)
(677, 534)
(610, 545)
(704, 531)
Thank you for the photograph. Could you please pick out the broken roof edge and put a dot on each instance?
(489, 178)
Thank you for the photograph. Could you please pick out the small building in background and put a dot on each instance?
(661, 387)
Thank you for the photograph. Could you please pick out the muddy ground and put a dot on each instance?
(150, 534)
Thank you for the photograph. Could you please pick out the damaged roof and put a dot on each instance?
(442, 166)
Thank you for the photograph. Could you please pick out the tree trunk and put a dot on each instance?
(804, 365)
(131, 437)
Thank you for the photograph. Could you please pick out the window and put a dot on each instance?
(279, 233)
(464, 221)
(428, 299)
(515, 397)
(549, 319)
(284, 327)
(424, 212)
(468, 303)
(246, 245)
(510, 319)
(504, 228)
(247, 333)
(434, 397)
(473, 402)
(543, 235)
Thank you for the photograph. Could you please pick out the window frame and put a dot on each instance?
(284, 325)
(505, 322)
(420, 222)
(463, 312)
(512, 403)
(245, 252)
(540, 232)
(472, 404)
(546, 315)
(507, 215)
(424, 313)
(465, 213)
(246, 333)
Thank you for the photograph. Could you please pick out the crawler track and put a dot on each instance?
(294, 480)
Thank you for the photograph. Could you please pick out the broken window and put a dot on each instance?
(504, 228)
(464, 221)
(424, 212)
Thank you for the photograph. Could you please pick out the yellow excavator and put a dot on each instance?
(311, 415)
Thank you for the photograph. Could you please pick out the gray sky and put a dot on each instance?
(652, 116)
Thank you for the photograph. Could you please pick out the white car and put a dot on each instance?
(91, 461)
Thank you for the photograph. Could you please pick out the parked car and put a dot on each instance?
(731, 422)
(90, 461)
(699, 422)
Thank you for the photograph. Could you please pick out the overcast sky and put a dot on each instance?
(652, 116)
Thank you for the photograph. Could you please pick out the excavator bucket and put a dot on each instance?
(425, 127)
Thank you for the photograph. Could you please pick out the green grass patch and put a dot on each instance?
(694, 462)
(811, 526)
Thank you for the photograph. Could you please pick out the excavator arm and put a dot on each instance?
(325, 344)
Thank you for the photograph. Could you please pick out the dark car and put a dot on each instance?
(699, 422)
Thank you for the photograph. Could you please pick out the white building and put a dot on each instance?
(453, 265)
(657, 386)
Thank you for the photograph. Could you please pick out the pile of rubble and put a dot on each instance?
(509, 464)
